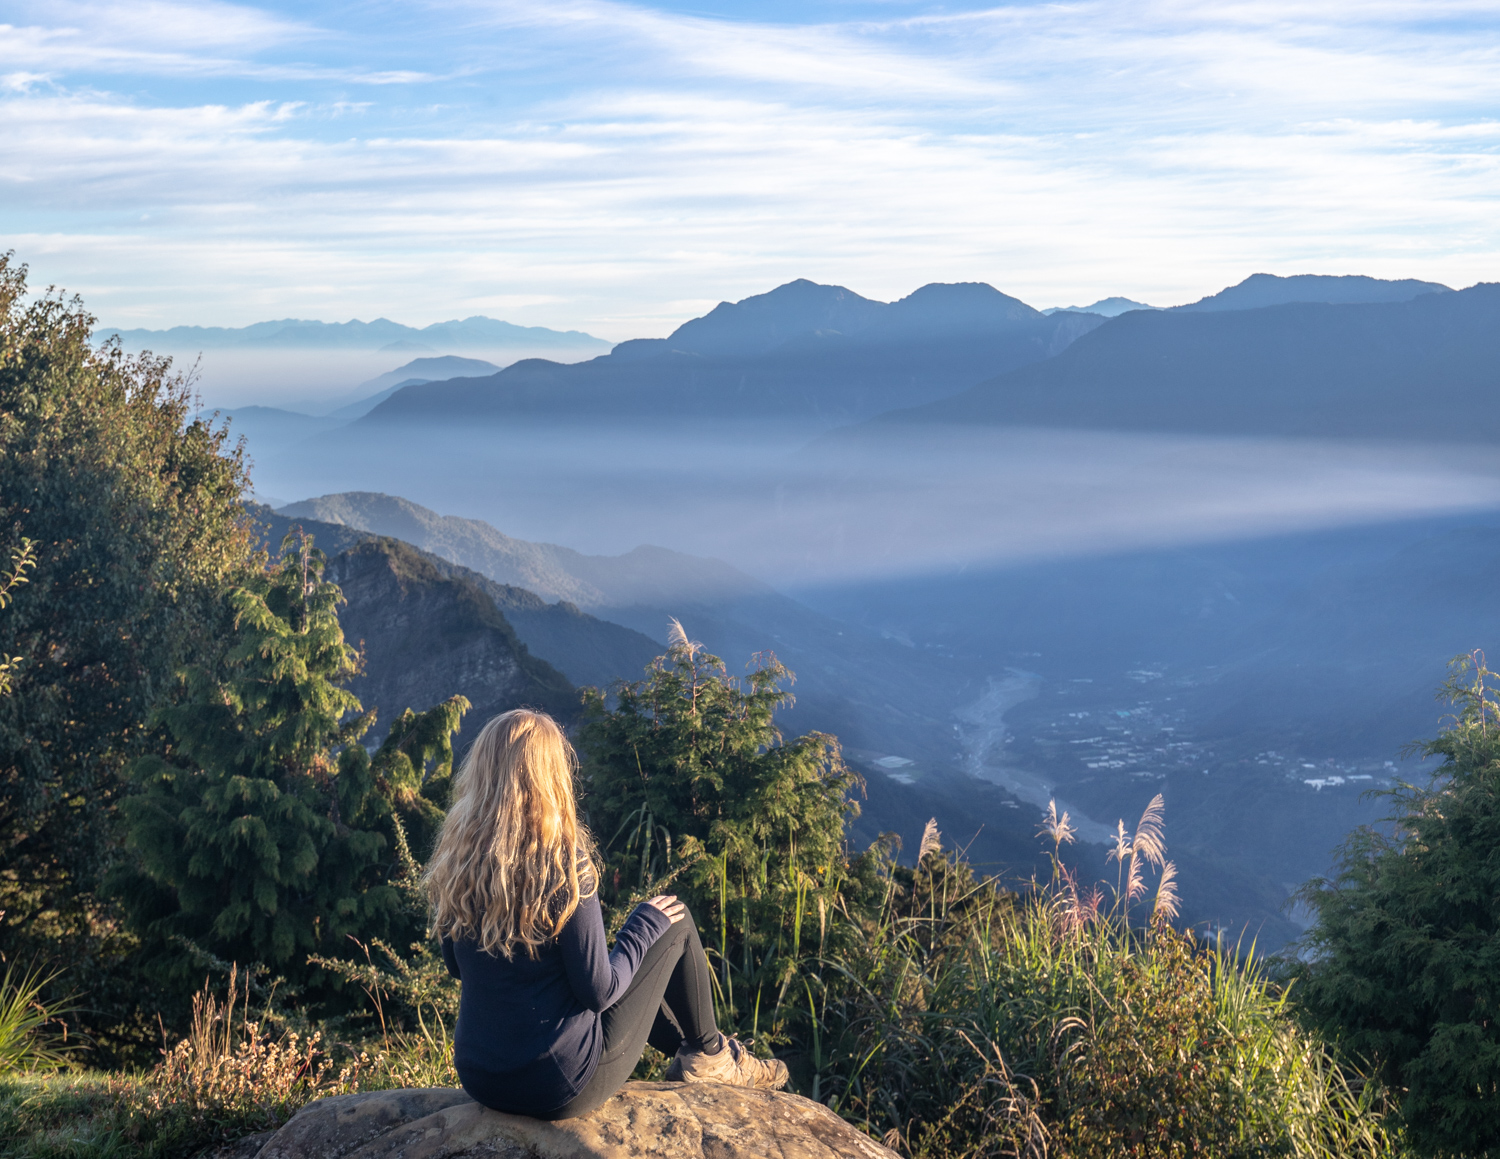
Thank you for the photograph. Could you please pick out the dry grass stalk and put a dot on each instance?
(932, 840)
(1074, 909)
(230, 1064)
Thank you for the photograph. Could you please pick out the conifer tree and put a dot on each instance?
(688, 773)
(1405, 951)
(264, 834)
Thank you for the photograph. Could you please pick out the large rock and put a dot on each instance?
(669, 1120)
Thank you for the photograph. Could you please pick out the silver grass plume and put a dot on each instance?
(1149, 845)
(1090, 904)
(1067, 910)
(932, 840)
(1056, 828)
(1167, 901)
(677, 637)
(1150, 835)
(1120, 849)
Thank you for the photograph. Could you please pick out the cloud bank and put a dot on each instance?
(620, 167)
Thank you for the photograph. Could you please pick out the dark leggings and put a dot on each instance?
(669, 1003)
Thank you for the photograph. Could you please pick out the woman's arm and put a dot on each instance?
(597, 975)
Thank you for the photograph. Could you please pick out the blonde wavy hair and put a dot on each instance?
(512, 862)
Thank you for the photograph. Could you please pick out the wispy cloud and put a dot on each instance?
(615, 166)
(167, 40)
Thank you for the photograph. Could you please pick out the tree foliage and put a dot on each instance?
(133, 506)
(687, 774)
(1406, 948)
(266, 832)
(22, 560)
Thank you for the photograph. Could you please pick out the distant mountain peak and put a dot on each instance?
(1261, 290)
(646, 575)
(1105, 307)
(804, 309)
(940, 308)
(763, 322)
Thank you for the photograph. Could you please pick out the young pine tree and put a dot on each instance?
(689, 773)
(265, 833)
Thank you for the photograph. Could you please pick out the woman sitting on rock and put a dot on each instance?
(551, 1022)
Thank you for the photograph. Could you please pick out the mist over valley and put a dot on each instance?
(1221, 551)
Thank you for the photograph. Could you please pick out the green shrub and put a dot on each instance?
(133, 508)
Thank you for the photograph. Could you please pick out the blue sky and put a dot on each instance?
(619, 167)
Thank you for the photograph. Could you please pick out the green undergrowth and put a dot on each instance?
(970, 1026)
(236, 1073)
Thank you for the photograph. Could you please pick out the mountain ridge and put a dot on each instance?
(548, 569)
(1378, 370)
(851, 682)
(586, 649)
(1260, 290)
(777, 355)
(475, 332)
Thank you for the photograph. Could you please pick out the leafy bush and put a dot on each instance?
(928, 1005)
(133, 507)
(22, 559)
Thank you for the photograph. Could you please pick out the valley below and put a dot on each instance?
(992, 608)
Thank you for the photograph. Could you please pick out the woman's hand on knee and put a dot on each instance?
(669, 905)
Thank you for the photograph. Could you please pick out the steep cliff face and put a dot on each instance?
(427, 636)
(587, 650)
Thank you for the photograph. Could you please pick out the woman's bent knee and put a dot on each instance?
(680, 928)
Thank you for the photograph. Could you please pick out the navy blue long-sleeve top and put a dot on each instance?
(528, 1034)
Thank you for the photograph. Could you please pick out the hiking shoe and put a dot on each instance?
(734, 1065)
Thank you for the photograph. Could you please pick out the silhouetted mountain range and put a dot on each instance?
(475, 333)
(1426, 368)
(1175, 668)
(803, 352)
(647, 576)
(423, 370)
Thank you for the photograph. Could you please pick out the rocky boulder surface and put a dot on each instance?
(666, 1120)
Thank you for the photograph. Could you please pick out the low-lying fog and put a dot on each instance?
(883, 500)
(313, 381)
(1253, 627)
